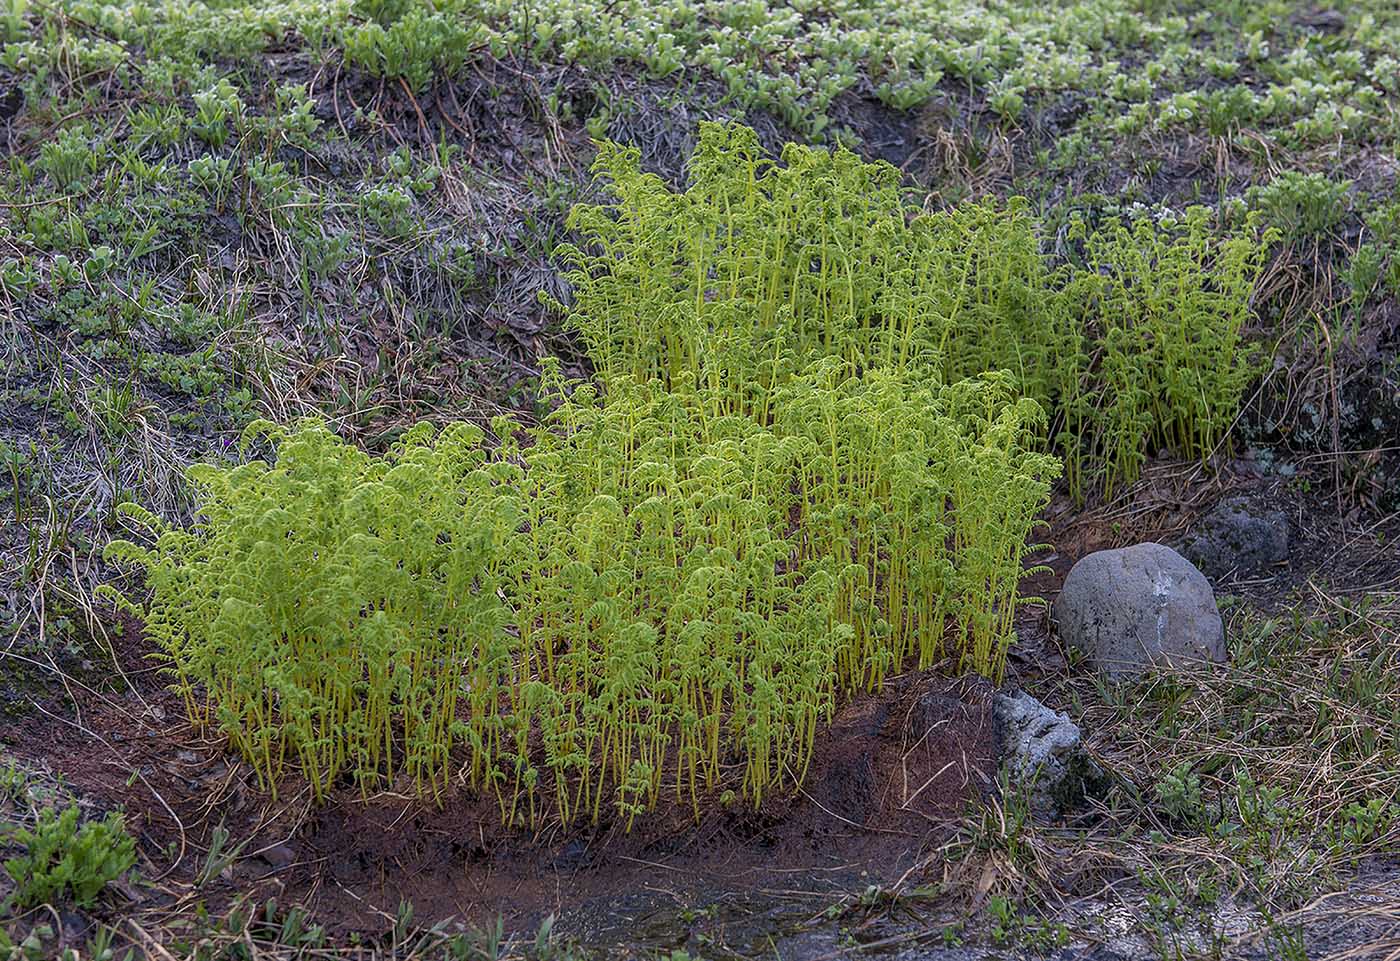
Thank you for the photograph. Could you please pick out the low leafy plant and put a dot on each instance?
(1302, 204)
(63, 860)
(1179, 795)
(1376, 263)
(69, 158)
(414, 43)
(215, 108)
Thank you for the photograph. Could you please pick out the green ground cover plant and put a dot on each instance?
(639, 598)
(1218, 68)
(1134, 341)
(63, 860)
(1302, 205)
(1375, 266)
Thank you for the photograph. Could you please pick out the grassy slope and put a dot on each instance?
(244, 209)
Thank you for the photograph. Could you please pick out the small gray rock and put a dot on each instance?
(1139, 607)
(1237, 537)
(1042, 753)
(278, 855)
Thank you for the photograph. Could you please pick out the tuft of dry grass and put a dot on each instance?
(1253, 805)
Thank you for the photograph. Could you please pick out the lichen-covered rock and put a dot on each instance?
(1237, 538)
(1042, 753)
(1137, 608)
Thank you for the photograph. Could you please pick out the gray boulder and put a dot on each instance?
(1137, 608)
(1042, 753)
(1237, 537)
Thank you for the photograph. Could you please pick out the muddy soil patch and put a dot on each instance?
(888, 777)
(889, 772)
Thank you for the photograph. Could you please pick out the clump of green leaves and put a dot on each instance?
(68, 159)
(412, 42)
(791, 477)
(1179, 795)
(1376, 264)
(1302, 204)
(63, 860)
(1162, 310)
(757, 269)
(316, 610)
(610, 608)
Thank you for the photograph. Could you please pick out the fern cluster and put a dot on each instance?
(1160, 353)
(324, 611)
(647, 596)
(758, 268)
(792, 476)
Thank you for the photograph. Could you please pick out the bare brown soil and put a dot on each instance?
(888, 777)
